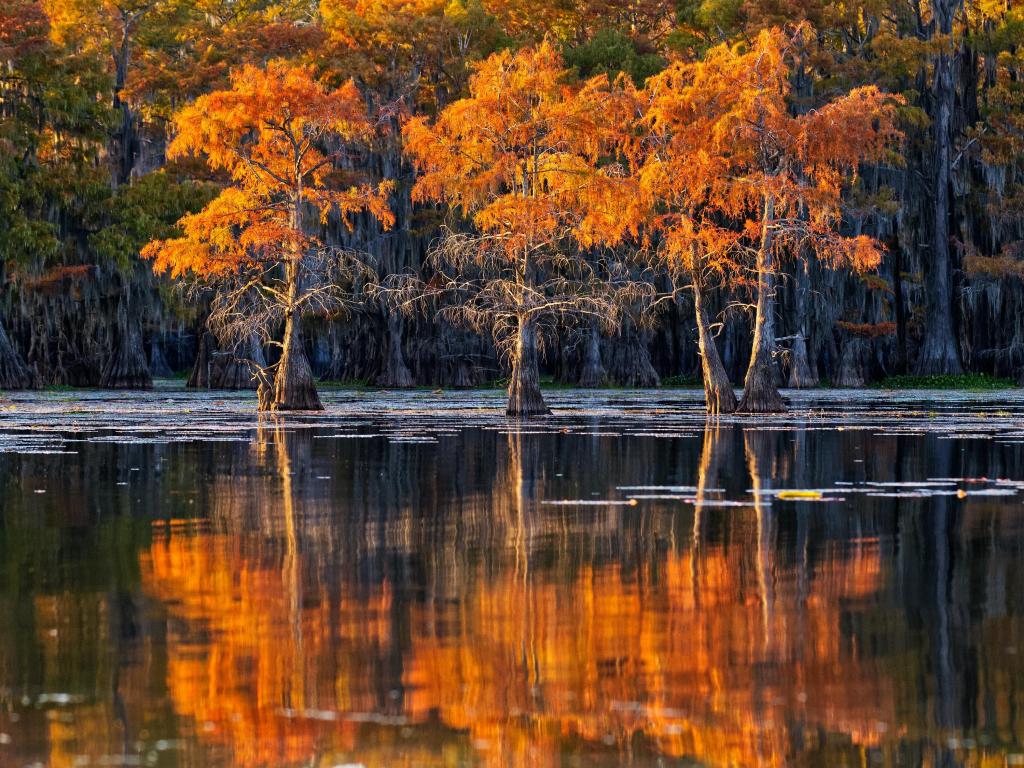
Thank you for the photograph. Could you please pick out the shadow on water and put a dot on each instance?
(491, 595)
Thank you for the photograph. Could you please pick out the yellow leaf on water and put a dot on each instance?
(798, 495)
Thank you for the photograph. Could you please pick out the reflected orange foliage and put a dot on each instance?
(674, 654)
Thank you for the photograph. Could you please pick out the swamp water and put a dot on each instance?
(411, 580)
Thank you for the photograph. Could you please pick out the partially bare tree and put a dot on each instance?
(469, 281)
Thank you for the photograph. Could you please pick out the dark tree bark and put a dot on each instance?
(629, 362)
(396, 373)
(851, 363)
(592, 372)
(801, 374)
(524, 395)
(718, 393)
(939, 354)
(158, 366)
(127, 367)
(294, 386)
(236, 369)
(14, 374)
(760, 392)
(202, 369)
(126, 138)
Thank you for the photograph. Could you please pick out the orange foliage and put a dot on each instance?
(266, 133)
(524, 154)
(725, 142)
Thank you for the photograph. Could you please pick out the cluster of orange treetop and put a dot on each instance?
(707, 165)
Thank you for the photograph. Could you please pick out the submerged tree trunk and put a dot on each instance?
(938, 354)
(592, 372)
(524, 395)
(294, 386)
(718, 392)
(760, 392)
(127, 367)
(14, 374)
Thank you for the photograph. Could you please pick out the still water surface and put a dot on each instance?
(410, 580)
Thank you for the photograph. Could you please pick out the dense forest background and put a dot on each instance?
(88, 89)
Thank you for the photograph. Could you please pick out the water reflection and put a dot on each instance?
(303, 599)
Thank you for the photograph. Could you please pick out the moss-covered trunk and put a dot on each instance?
(939, 353)
(592, 372)
(14, 374)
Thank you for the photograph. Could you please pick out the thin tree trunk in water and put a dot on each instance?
(593, 372)
(939, 353)
(524, 395)
(718, 392)
(760, 393)
(14, 374)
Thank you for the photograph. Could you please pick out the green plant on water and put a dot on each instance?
(682, 380)
(967, 381)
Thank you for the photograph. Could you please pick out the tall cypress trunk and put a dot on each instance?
(294, 386)
(801, 375)
(718, 392)
(126, 140)
(524, 395)
(760, 392)
(939, 354)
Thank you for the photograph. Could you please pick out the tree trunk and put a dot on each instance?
(14, 374)
(629, 362)
(592, 374)
(938, 354)
(126, 139)
(801, 375)
(718, 392)
(396, 373)
(234, 369)
(127, 367)
(524, 395)
(760, 393)
(851, 363)
(294, 387)
(201, 374)
(158, 366)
